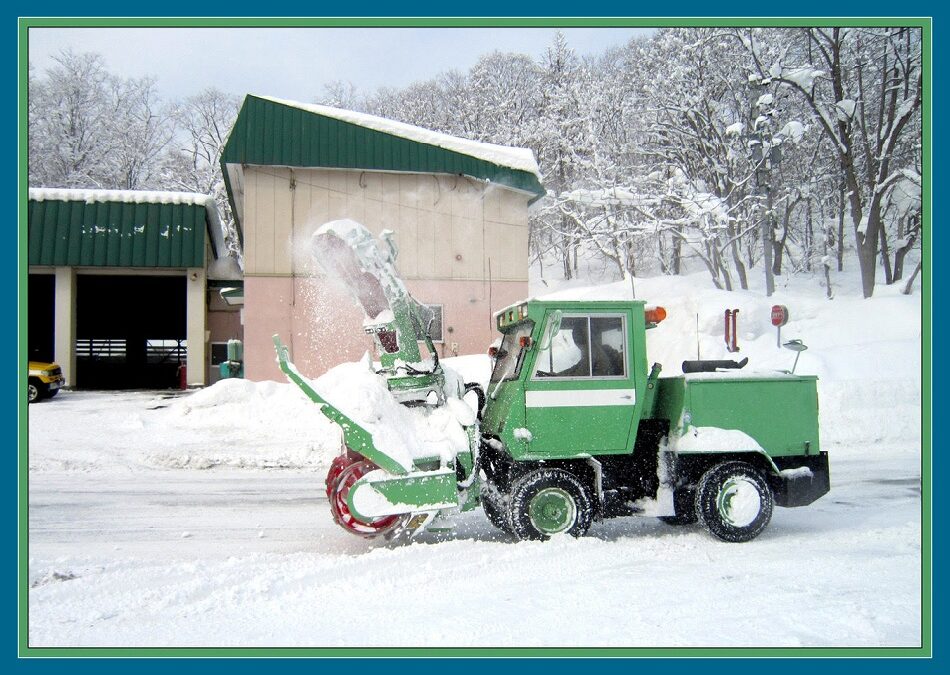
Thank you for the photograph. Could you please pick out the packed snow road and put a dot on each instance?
(251, 557)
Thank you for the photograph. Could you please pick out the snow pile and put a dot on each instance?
(239, 423)
(398, 431)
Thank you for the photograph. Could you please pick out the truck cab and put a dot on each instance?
(567, 379)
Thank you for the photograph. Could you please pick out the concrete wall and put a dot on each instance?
(453, 234)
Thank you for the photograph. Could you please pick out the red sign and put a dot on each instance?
(779, 315)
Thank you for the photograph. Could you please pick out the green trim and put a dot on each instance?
(442, 652)
(925, 650)
(469, 22)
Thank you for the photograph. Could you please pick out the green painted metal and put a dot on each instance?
(416, 492)
(270, 133)
(780, 413)
(356, 437)
(116, 234)
(569, 431)
(552, 511)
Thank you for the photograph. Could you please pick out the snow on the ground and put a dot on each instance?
(199, 518)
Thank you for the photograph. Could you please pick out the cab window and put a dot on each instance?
(591, 346)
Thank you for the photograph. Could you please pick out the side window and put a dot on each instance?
(585, 346)
(607, 346)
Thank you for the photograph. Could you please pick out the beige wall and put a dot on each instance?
(447, 227)
(453, 233)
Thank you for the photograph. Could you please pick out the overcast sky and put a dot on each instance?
(296, 63)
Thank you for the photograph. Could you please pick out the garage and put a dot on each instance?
(120, 286)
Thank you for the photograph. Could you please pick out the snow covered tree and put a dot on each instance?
(88, 128)
(139, 130)
(559, 138)
(863, 88)
(69, 127)
(192, 165)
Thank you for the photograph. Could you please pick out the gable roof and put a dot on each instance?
(276, 132)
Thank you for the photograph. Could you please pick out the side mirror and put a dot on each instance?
(554, 327)
(798, 347)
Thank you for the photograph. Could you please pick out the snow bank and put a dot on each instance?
(239, 423)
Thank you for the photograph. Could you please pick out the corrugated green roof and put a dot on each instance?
(111, 228)
(271, 132)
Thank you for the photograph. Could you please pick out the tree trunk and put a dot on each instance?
(677, 254)
(910, 282)
(867, 245)
(809, 236)
(886, 260)
(840, 247)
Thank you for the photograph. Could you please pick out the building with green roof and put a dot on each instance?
(458, 210)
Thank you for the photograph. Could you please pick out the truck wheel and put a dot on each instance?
(494, 508)
(734, 502)
(546, 502)
(34, 392)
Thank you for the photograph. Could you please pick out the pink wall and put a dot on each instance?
(324, 327)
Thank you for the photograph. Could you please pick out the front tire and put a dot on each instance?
(494, 508)
(734, 502)
(546, 502)
(34, 392)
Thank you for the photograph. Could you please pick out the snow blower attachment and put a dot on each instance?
(377, 487)
(575, 427)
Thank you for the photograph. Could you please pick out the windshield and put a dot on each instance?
(511, 353)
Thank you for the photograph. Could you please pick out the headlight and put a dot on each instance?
(46, 373)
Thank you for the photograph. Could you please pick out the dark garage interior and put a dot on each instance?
(41, 307)
(130, 331)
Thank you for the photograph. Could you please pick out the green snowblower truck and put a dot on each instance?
(573, 427)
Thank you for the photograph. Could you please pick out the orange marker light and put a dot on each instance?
(493, 351)
(655, 315)
(524, 341)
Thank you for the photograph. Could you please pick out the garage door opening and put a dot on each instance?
(130, 331)
(41, 307)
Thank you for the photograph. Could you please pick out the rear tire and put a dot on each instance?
(734, 502)
(546, 502)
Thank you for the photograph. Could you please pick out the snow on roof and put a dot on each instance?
(130, 196)
(521, 159)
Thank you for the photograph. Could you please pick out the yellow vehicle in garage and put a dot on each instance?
(45, 380)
